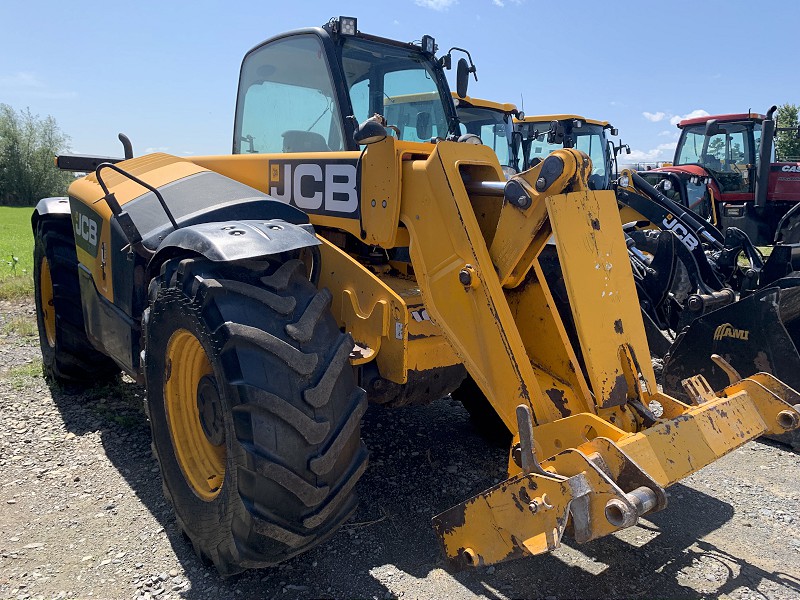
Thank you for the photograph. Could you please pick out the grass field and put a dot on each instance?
(16, 252)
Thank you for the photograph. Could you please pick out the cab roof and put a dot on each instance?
(548, 118)
(731, 117)
(481, 103)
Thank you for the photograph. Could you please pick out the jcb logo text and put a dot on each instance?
(679, 230)
(320, 187)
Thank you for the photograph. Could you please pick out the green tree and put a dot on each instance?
(787, 145)
(27, 146)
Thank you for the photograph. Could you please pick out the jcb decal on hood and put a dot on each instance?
(86, 225)
(320, 187)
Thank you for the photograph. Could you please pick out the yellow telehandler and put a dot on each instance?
(337, 255)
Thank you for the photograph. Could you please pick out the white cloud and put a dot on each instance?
(159, 149)
(654, 117)
(21, 80)
(661, 152)
(440, 5)
(499, 3)
(28, 85)
(669, 133)
(698, 112)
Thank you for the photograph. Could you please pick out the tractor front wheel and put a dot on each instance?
(254, 409)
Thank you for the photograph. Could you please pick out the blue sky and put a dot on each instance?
(165, 72)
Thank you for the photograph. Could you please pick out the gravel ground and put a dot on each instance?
(83, 514)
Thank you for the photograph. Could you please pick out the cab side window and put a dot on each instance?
(287, 101)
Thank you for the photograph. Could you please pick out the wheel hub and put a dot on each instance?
(210, 410)
(194, 414)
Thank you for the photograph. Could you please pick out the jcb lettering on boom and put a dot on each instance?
(321, 187)
(683, 234)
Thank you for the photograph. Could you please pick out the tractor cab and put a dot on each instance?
(493, 123)
(541, 135)
(688, 190)
(324, 82)
(725, 146)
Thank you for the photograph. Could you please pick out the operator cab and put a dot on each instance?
(493, 123)
(725, 146)
(686, 189)
(323, 82)
(541, 135)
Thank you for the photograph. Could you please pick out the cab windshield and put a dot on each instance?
(728, 153)
(587, 138)
(494, 127)
(397, 83)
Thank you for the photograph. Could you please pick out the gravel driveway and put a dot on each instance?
(83, 514)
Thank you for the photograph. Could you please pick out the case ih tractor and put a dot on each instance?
(729, 161)
(262, 297)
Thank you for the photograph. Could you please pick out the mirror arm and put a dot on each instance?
(472, 68)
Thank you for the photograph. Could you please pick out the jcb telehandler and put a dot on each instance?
(263, 296)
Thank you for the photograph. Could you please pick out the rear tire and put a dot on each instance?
(67, 354)
(261, 464)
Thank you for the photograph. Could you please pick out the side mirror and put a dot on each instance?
(369, 132)
(713, 128)
(462, 77)
(614, 131)
(555, 134)
(424, 128)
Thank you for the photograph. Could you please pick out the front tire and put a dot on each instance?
(254, 409)
(482, 415)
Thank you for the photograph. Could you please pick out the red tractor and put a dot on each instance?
(730, 160)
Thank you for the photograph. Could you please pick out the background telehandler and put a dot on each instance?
(261, 297)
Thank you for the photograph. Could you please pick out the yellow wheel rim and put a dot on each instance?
(48, 308)
(202, 463)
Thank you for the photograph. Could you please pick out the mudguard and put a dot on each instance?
(58, 206)
(237, 240)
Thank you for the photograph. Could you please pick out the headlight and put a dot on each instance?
(667, 185)
(509, 172)
(624, 181)
(348, 25)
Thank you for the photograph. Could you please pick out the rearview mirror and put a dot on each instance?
(462, 78)
(713, 128)
(424, 128)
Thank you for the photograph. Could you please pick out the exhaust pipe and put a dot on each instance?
(764, 155)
